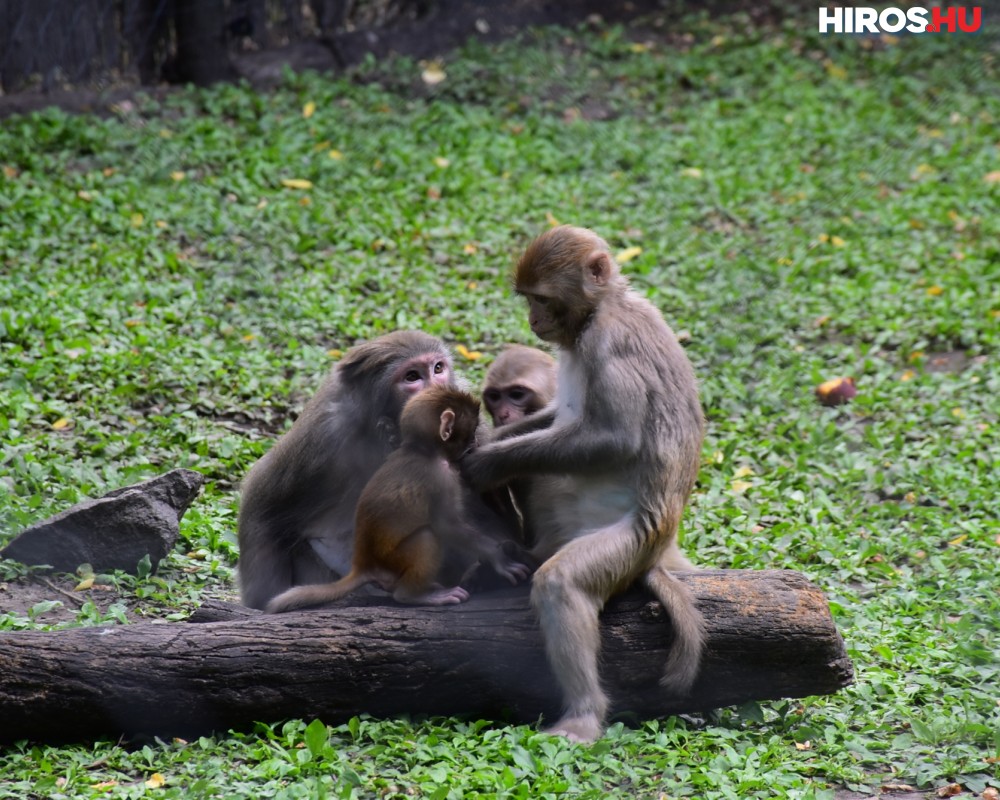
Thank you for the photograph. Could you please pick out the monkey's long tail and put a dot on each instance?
(317, 594)
(684, 660)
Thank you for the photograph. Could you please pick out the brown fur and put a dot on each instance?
(297, 507)
(411, 513)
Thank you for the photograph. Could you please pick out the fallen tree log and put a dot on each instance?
(770, 635)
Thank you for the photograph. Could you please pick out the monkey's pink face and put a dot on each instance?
(420, 373)
(510, 404)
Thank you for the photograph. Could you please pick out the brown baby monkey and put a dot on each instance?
(411, 514)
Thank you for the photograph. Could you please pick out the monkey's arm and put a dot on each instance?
(570, 449)
(534, 422)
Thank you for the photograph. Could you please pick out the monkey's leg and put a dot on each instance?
(418, 560)
(568, 593)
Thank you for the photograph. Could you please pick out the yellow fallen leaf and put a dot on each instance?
(834, 70)
(549, 218)
(836, 241)
(743, 472)
(133, 323)
(335, 353)
(9, 172)
(958, 540)
(156, 781)
(806, 745)
(718, 41)
(441, 162)
(85, 584)
(958, 413)
(925, 169)
(433, 73)
(61, 424)
(740, 486)
(691, 172)
(470, 249)
(626, 255)
(320, 146)
(638, 47)
(992, 177)
(177, 175)
(336, 155)
(784, 261)
(261, 205)
(308, 109)
(824, 237)
(296, 183)
(935, 290)
(718, 457)
(908, 375)
(165, 134)
(137, 220)
(249, 337)
(161, 223)
(84, 195)
(464, 352)
(472, 286)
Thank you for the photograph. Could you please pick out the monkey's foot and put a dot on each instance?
(584, 729)
(440, 597)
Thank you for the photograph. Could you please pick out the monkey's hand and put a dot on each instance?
(506, 567)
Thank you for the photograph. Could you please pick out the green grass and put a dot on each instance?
(807, 207)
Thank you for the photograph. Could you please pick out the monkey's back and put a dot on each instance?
(397, 503)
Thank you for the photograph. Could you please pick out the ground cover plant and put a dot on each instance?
(175, 280)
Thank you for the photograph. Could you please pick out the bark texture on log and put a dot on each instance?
(770, 635)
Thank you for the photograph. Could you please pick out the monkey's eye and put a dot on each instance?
(439, 367)
(517, 394)
(492, 396)
(540, 300)
(411, 376)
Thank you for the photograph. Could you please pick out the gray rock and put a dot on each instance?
(114, 531)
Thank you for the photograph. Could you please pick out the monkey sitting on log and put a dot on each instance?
(411, 514)
(626, 430)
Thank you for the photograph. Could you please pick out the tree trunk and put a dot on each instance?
(202, 57)
(770, 635)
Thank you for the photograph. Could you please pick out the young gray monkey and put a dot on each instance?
(520, 382)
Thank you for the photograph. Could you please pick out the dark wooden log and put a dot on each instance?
(770, 635)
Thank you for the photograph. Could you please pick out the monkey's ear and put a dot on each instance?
(447, 424)
(599, 268)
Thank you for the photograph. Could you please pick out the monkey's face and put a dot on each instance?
(419, 373)
(508, 404)
(545, 316)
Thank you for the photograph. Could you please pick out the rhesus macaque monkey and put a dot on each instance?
(521, 381)
(411, 513)
(296, 519)
(626, 431)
